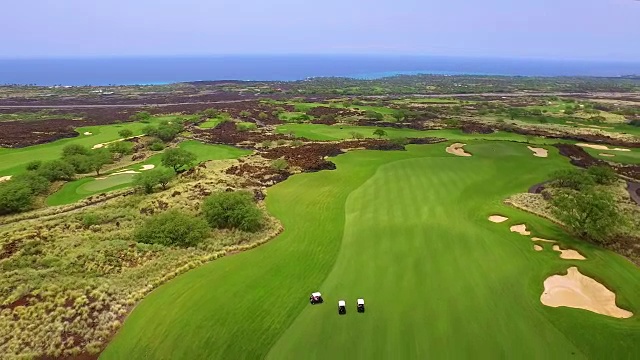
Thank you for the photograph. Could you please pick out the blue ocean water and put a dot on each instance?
(161, 70)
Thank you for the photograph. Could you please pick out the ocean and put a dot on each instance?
(163, 70)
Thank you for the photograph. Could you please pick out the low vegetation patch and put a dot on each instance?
(228, 210)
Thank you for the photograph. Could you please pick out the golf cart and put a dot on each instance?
(315, 298)
(360, 305)
(342, 307)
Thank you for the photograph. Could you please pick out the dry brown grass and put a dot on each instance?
(72, 273)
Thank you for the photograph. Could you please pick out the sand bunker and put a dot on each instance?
(88, 133)
(5, 178)
(520, 229)
(607, 155)
(537, 247)
(568, 254)
(539, 152)
(582, 292)
(498, 218)
(456, 149)
(124, 172)
(541, 239)
(601, 147)
(99, 146)
(147, 167)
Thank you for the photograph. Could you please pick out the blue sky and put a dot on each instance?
(575, 29)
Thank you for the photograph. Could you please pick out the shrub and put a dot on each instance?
(177, 158)
(121, 147)
(81, 163)
(573, 179)
(602, 175)
(245, 114)
(37, 183)
(125, 133)
(281, 142)
(165, 131)
(226, 210)
(142, 116)
(34, 165)
(379, 133)
(74, 149)
(635, 122)
(172, 228)
(296, 143)
(15, 196)
(90, 219)
(280, 164)
(356, 135)
(373, 115)
(156, 145)
(244, 126)
(210, 113)
(263, 116)
(267, 144)
(400, 141)
(149, 179)
(56, 170)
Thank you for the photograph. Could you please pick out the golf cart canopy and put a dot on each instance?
(316, 294)
(360, 301)
(342, 303)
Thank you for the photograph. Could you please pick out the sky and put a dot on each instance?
(552, 29)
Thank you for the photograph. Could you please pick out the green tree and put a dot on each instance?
(379, 133)
(573, 179)
(164, 176)
(75, 149)
(121, 147)
(146, 180)
(37, 183)
(125, 133)
(356, 135)
(225, 210)
(374, 115)
(177, 158)
(99, 159)
(81, 163)
(142, 116)
(172, 228)
(602, 175)
(15, 196)
(590, 213)
(56, 170)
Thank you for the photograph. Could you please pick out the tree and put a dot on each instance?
(37, 183)
(379, 133)
(573, 179)
(74, 149)
(356, 135)
(141, 116)
(210, 113)
(121, 147)
(125, 133)
(225, 210)
(172, 228)
(374, 115)
(165, 131)
(164, 177)
(15, 196)
(146, 180)
(177, 158)
(602, 175)
(56, 170)
(399, 115)
(591, 213)
(99, 159)
(81, 163)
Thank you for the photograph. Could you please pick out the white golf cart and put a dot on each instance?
(342, 307)
(315, 298)
(361, 305)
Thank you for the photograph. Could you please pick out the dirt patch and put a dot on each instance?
(539, 152)
(543, 240)
(537, 248)
(568, 254)
(520, 229)
(498, 218)
(456, 149)
(582, 292)
(601, 147)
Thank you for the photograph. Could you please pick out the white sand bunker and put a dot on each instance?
(126, 171)
(520, 229)
(582, 292)
(88, 133)
(456, 149)
(568, 254)
(99, 146)
(607, 155)
(539, 152)
(498, 218)
(601, 147)
(537, 248)
(147, 167)
(543, 240)
(5, 178)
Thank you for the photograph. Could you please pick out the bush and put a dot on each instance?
(74, 149)
(172, 228)
(177, 158)
(210, 113)
(280, 164)
(602, 175)
(225, 210)
(90, 219)
(142, 116)
(37, 183)
(281, 142)
(56, 170)
(245, 126)
(121, 147)
(81, 163)
(34, 165)
(156, 145)
(165, 131)
(149, 179)
(356, 135)
(635, 122)
(15, 196)
(125, 133)
(373, 115)
(573, 179)
(267, 144)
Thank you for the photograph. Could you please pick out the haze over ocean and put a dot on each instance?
(155, 70)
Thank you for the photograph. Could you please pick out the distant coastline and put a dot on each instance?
(167, 70)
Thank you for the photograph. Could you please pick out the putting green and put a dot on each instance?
(408, 231)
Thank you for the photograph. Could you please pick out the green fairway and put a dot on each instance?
(85, 187)
(623, 157)
(13, 161)
(407, 231)
(211, 123)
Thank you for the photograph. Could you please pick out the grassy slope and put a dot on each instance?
(415, 242)
(13, 161)
(85, 187)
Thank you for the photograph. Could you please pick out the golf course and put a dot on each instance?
(408, 231)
